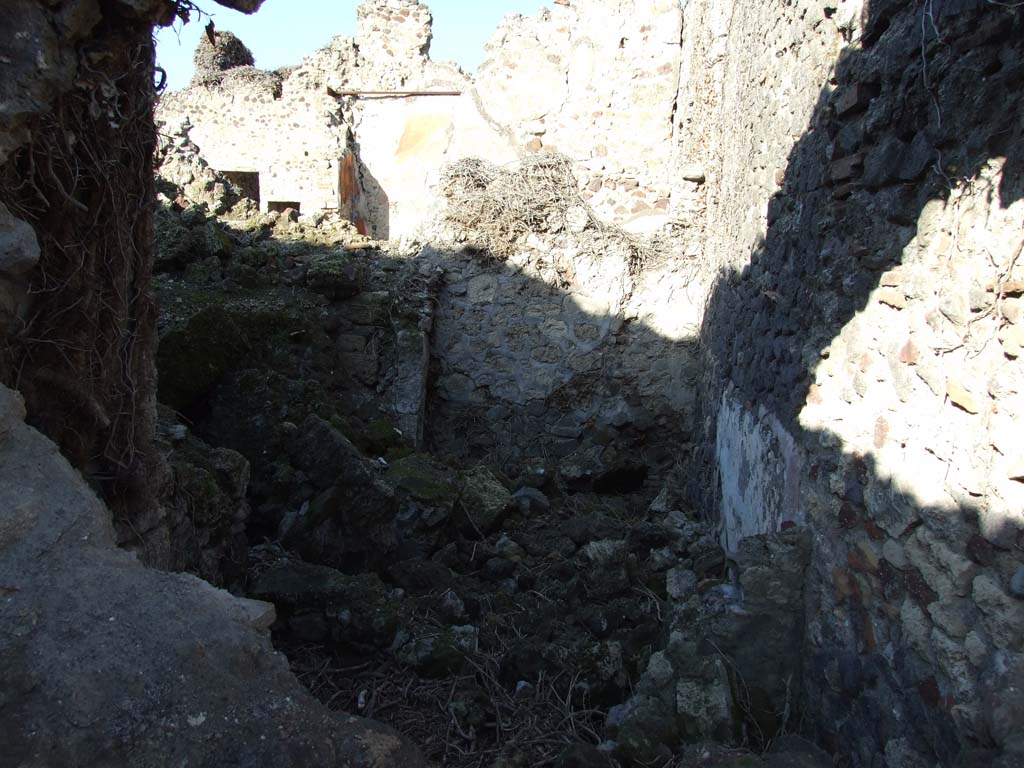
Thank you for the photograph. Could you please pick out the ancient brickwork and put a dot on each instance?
(861, 198)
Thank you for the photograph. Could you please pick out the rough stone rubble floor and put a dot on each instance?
(507, 630)
(521, 648)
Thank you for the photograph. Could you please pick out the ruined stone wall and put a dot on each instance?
(562, 346)
(394, 42)
(285, 127)
(403, 143)
(856, 173)
(592, 79)
(603, 346)
(597, 81)
(77, 317)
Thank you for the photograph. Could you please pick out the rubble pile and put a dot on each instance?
(539, 611)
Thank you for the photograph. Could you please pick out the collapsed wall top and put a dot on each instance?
(223, 52)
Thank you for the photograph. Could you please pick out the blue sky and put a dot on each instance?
(282, 32)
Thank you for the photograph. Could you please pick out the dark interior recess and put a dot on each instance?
(246, 182)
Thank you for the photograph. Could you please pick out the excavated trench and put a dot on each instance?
(498, 609)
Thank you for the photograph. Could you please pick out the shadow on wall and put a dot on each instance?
(370, 205)
(529, 368)
(484, 359)
(867, 328)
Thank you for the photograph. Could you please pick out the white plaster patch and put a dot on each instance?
(759, 471)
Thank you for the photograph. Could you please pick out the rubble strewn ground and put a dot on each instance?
(552, 611)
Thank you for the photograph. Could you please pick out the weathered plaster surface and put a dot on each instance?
(759, 472)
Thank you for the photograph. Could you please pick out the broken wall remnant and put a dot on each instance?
(393, 42)
(288, 131)
(594, 80)
(219, 54)
(556, 330)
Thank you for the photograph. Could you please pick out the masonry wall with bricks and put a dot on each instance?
(862, 372)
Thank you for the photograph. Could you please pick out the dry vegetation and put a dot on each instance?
(494, 208)
(468, 720)
(81, 354)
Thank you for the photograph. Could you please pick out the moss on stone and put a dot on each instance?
(336, 274)
(183, 239)
(371, 308)
(193, 359)
(380, 438)
(208, 337)
(484, 501)
(424, 479)
(206, 500)
(329, 264)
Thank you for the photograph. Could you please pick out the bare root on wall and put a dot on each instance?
(82, 352)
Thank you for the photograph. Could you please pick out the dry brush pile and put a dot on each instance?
(495, 208)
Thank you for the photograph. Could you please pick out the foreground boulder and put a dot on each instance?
(105, 662)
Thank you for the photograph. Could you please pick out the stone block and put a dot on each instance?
(960, 395)
(918, 158)
(1012, 339)
(680, 583)
(957, 567)
(881, 166)
(704, 707)
(483, 501)
(893, 297)
(19, 249)
(1013, 309)
(1004, 615)
(954, 616)
(693, 172)
(854, 98)
(482, 289)
(916, 627)
(846, 168)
